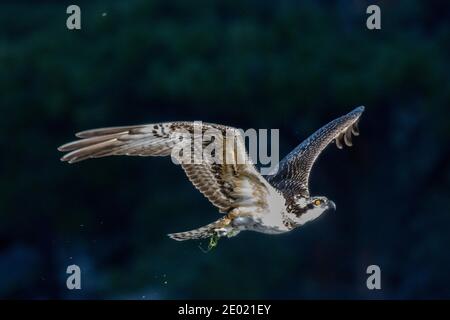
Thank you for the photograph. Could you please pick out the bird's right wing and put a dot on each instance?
(227, 178)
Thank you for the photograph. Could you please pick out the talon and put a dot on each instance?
(220, 232)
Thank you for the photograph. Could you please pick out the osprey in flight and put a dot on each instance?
(276, 204)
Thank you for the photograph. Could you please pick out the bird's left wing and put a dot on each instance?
(227, 182)
(293, 172)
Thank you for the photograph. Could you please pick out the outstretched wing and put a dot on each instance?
(225, 176)
(293, 172)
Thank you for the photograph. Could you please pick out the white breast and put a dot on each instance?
(272, 218)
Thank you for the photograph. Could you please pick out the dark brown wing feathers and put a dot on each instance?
(292, 177)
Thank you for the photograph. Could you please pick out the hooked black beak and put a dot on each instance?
(331, 205)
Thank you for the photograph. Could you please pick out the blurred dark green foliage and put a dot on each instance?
(290, 65)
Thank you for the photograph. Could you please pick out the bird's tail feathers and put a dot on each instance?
(217, 228)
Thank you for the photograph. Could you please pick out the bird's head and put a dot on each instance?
(304, 209)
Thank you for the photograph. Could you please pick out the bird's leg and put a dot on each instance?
(233, 214)
(225, 229)
(234, 220)
(221, 230)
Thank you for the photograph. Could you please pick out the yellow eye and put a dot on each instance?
(317, 202)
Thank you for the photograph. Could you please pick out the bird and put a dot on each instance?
(274, 204)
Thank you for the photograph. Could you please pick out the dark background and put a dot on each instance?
(292, 65)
